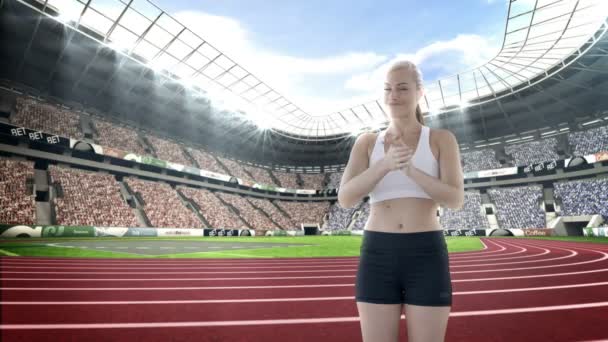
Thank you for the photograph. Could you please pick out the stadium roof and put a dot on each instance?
(539, 35)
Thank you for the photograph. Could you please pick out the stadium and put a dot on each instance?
(154, 188)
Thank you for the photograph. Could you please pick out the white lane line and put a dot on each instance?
(135, 248)
(466, 257)
(167, 247)
(171, 279)
(296, 299)
(282, 321)
(177, 268)
(121, 247)
(477, 254)
(169, 288)
(181, 272)
(547, 251)
(154, 262)
(8, 253)
(605, 257)
(101, 247)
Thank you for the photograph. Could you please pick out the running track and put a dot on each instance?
(513, 290)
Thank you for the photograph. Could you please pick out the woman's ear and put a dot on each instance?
(420, 93)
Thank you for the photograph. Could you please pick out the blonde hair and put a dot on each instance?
(410, 66)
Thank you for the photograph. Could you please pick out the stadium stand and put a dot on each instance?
(589, 141)
(206, 161)
(533, 152)
(215, 212)
(168, 150)
(313, 181)
(470, 216)
(47, 118)
(583, 197)
(247, 212)
(519, 207)
(162, 204)
(334, 180)
(89, 199)
(288, 180)
(235, 168)
(17, 206)
(117, 137)
(261, 175)
(340, 218)
(479, 160)
(272, 211)
(305, 212)
(362, 219)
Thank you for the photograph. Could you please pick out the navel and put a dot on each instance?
(400, 226)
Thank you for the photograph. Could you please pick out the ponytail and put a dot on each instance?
(419, 115)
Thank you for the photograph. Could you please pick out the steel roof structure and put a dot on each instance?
(539, 35)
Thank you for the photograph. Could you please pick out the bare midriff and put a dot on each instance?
(403, 215)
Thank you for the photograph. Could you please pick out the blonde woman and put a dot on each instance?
(408, 170)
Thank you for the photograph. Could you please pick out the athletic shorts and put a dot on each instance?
(410, 268)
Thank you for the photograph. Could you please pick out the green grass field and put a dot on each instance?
(325, 246)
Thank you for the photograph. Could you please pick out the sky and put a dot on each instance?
(323, 56)
(327, 56)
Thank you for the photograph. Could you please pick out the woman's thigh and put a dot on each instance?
(379, 322)
(426, 323)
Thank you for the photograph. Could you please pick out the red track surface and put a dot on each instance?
(514, 290)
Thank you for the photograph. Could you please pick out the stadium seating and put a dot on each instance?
(583, 197)
(46, 118)
(283, 221)
(362, 219)
(16, 206)
(470, 216)
(533, 152)
(479, 160)
(215, 212)
(236, 169)
(90, 199)
(313, 181)
(519, 207)
(334, 180)
(168, 150)
(305, 212)
(118, 137)
(589, 141)
(339, 217)
(206, 161)
(250, 214)
(261, 175)
(163, 206)
(287, 179)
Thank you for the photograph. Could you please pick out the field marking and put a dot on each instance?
(295, 299)
(186, 268)
(5, 252)
(281, 321)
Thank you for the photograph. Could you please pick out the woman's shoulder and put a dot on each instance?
(441, 136)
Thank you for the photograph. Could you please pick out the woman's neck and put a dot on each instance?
(404, 126)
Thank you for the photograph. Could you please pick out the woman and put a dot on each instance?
(408, 170)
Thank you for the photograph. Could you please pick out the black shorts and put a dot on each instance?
(411, 268)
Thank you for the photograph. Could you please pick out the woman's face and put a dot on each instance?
(400, 92)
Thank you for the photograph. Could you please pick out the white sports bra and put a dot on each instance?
(396, 184)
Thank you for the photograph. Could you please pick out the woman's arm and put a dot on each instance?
(358, 179)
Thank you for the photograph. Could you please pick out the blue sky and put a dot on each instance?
(351, 42)
(327, 56)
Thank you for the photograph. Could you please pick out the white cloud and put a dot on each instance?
(452, 56)
(280, 71)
